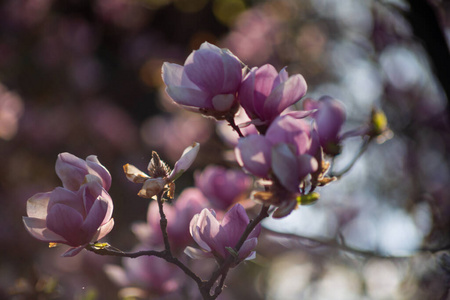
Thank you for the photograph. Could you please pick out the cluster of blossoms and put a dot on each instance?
(285, 149)
(77, 213)
(288, 147)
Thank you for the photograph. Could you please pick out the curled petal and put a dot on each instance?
(151, 187)
(135, 175)
(99, 170)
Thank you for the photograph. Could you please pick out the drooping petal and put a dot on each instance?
(37, 205)
(38, 229)
(185, 161)
(66, 221)
(284, 95)
(253, 154)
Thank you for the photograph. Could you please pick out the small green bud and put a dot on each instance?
(308, 199)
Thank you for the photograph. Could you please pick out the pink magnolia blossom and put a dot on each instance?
(221, 186)
(208, 81)
(285, 150)
(190, 202)
(329, 118)
(265, 94)
(73, 170)
(216, 237)
(69, 217)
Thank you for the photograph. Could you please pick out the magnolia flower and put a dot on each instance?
(265, 94)
(190, 202)
(72, 171)
(160, 175)
(207, 83)
(217, 239)
(329, 118)
(69, 217)
(221, 186)
(285, 150)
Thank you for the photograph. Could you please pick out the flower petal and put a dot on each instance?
(135, 175)
(284, 95)
(66, 222)
(64, 196)
(38, 229)
(71, 170)
(197, 253)
(37, 205)
(233, 223)
(253, 154)
(103, 230)
(73, 251)
(185, 161)
(246, 249)
(284, 165)
(96, 168)
(189, 96)
(204, 67)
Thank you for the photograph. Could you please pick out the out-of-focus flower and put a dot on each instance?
(190, 202)
(217, 239)
(160, 175)
(150, 274)
(73, 170)
(11, 109)
(229, 135)
(222, 187)
(72, 218)
(207, 83)
(265, 94)
(329, 118)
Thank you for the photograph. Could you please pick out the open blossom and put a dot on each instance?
(190, 202)
(286, 150)
(265, 94)
(329, 118)
(222, 186)
(214, 237)
(208, 81)
(75, 218)
(72, 171)
(160, 175)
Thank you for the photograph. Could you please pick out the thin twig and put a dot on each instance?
(362, 149)
(233, 125)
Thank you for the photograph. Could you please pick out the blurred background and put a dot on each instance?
(85, 77)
